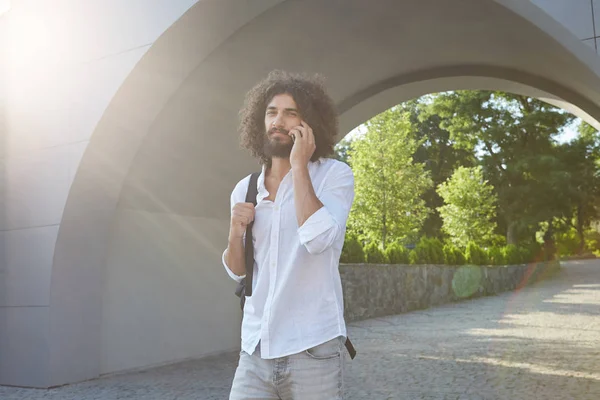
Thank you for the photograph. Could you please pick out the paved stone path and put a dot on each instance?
(540, 343)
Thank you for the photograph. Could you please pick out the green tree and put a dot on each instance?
(388, 206)
(437, 153)
(470, 207)
(514, 139)
(582, 160)
(342, 149)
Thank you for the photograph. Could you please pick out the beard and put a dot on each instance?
(277, 146)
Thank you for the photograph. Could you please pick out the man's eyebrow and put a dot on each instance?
(286, 109)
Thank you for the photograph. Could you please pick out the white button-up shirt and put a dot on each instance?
(296, 300)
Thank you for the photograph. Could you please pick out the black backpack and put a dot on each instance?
(244, 288)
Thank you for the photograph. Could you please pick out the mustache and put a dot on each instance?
(277, 130)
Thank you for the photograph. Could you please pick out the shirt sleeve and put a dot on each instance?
(233, 276)
(238, 195)
(321, 230)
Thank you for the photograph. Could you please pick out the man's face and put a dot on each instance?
(281, 116)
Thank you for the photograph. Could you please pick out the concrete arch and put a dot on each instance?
(164, 147)
(389, 92)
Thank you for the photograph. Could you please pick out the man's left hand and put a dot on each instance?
(304, 145)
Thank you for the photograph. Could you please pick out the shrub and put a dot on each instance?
(498, 240)
(352, 252)
(449, 255)
(460, 256)
(420, 253)
(453, 255)
(396, 254)
(413, 257)
(532, 252)
(592, 240)
(429, 251)
(475, 254)
(512, 255)
(436, 251)
(496, 256)
(567, 243)
(527, 254)
(374, 254)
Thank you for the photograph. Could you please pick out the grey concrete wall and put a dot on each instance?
(62, 61)
(166, 296)
(378, 290)
(581, 17)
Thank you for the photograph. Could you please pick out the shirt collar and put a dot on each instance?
(262, 189)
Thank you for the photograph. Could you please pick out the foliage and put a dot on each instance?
(528, 254)
(437, 251)
(498, 240)
(352, 252)
(374, 255)
(567, 242)
(453, 255)
(592, 239)
(413, 258)
(514, 139)
(388, 186)
(397, 254)
(470, 207)
(581, 158)
(428, 251)
(342, 149)
(534, 182)
(496, 256)
(475, 254)
(512, 256)
(437, 153)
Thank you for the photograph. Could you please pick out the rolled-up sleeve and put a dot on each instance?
(238, 195)
(230, 272)
(327, 225)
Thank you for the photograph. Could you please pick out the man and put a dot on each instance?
(293, 328)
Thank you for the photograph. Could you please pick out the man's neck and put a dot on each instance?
(279, 168)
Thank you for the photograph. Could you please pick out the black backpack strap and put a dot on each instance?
(249, 247)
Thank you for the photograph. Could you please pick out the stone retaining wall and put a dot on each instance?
(379, 290)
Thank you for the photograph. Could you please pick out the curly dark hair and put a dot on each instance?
(314, 104)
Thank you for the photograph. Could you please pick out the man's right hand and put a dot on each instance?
(241, 215)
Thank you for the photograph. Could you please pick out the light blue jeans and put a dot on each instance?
(314, 374)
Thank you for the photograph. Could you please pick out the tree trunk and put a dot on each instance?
(383, 233)
(549, 245)
(580, 230)
(511, 237)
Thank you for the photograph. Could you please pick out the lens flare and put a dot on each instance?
(4, 6)
(466, 281)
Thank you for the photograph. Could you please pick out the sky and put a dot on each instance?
(570, 132)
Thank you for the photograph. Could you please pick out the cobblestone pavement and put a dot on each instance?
(542, 342)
